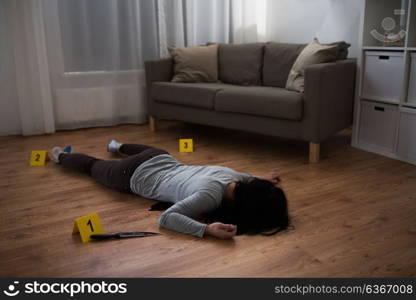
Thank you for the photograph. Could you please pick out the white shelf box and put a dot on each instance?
(411, 95)
(407, 135)
(383, 75)
(378, 126)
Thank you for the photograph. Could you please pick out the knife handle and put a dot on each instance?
(104, 236)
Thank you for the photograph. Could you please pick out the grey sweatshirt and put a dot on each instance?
(194, 190)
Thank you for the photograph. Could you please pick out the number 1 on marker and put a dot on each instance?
(90, 224)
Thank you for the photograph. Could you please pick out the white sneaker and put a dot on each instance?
(56, 151)
(113, 146)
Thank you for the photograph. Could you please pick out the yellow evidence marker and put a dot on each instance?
(186, 145)
(88, 225)
(38, 158)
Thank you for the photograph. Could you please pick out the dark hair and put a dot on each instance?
(259, 207)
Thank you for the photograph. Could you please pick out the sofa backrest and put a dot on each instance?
(240, 64)
(278, 61)
(265, 64)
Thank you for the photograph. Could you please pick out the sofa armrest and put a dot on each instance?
(159, 70)
(156, 70)
(328, 99)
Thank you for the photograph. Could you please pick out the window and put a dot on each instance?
(106, 35)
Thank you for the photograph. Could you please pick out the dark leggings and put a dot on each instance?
(115, 174)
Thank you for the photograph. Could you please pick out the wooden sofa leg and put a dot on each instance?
(152, 123)
(314, 152)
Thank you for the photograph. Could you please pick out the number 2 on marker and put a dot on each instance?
(38, 158)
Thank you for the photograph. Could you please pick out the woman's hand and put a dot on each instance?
(221, 231)
(273, 177)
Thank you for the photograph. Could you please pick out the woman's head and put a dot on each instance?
(259, 207)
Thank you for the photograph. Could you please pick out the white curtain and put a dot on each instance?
(170, 24)
(97, 49)
(207, 21)
(30, 76)
(106, 35)
(192, 22)
(9, 110)
(196, 22)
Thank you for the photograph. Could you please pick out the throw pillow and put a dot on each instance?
(195, 64)
(313, 53)
(342, 49)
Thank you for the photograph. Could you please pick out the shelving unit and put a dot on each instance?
(383, 48)
(385, 106)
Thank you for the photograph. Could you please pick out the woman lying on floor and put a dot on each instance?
(236, 203)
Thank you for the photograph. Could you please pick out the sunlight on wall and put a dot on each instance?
(297, 21)
(249, 20)
(260, 17)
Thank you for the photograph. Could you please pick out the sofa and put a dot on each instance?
(251, 94)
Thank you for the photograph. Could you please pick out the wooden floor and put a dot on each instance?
(354, 213)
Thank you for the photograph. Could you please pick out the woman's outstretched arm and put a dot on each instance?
(273, 177)
(180, 217)
(221, 230)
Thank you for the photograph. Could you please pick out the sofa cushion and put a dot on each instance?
(262, 101)
(278, 60)
(313, 53)
(200, 95)
(195, 64)
(240, 63)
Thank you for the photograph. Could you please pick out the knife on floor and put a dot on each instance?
(121, 235)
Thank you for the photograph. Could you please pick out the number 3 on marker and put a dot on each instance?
(186, 145)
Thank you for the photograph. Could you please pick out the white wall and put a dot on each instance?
(299, 21)
(9, 115)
